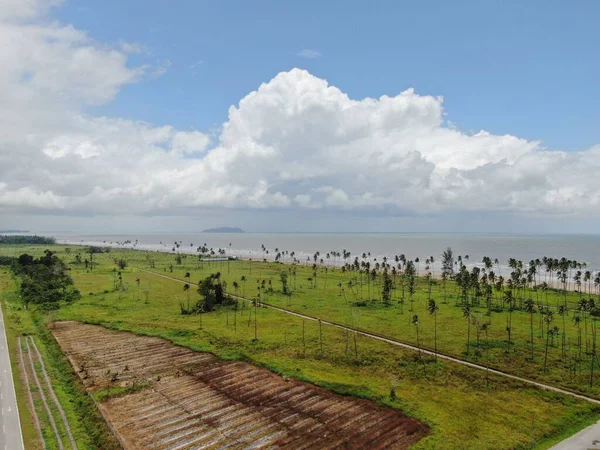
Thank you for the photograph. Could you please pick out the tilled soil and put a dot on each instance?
(196, 400)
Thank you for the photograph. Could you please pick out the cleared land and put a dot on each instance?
(196, 400)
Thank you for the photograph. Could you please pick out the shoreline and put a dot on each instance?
(336, 264)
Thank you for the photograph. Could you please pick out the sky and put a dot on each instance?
(300, 116)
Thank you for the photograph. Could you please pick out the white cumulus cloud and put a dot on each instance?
(295, 142)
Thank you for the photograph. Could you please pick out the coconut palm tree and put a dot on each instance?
(416, 323)
(563, 312)
(594, 313)
(409, 272)
(466, 312)
(530, 308)
(548, 317)
(509, 300)
(583, 307)
(186, 289)
(243, 280)
(577, 321)
(432, 308)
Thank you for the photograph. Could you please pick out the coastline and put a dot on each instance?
(245, 255)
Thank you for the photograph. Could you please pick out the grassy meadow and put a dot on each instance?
(464, 407)
(328, 296)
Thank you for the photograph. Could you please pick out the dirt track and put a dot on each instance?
(196, 400)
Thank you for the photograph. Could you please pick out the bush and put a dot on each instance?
(45, 280)
(7, 260)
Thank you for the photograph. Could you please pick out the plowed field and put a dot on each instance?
(196, 400)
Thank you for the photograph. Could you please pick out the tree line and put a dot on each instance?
(24, 239)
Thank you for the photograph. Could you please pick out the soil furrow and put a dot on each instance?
(196, 400)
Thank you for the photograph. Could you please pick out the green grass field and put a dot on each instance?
(327, 301)
(464, 407)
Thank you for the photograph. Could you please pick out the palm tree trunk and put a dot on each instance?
(546, 354)
(579, 338)
(531, 333)
(593, 353)
(303, 339)
(255, 323)
(321, 336)
(586, 333)
(468, 333)
(564, 336)
(435, 334)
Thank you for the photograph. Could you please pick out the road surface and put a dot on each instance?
(10, 431)
(586, 439)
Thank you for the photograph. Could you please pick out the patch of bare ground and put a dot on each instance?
(196, 400)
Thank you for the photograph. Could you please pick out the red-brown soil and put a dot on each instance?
(197, 400)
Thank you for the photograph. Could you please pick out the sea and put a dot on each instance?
(376, 246)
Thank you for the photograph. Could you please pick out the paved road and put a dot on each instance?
(586, 439)
(10, 431)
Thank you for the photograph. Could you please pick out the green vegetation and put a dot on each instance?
(118, 391)
(466, 408)
(6, 239)
(44, 281)
(87, 425)
(480, 316)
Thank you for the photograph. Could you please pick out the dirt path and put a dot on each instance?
(463, 362)
(53, 395)
(25, 376)
(43, 395)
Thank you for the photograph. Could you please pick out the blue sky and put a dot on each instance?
(524, 68)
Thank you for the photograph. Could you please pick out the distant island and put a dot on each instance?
(14, 231)
(224, 230)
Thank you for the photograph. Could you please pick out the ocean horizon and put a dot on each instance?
(584, 248)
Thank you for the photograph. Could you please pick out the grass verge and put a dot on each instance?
(89, 428)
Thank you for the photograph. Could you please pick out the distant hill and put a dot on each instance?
(224, 230)
(14, 231)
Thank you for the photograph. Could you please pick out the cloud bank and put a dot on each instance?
(295, 142)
